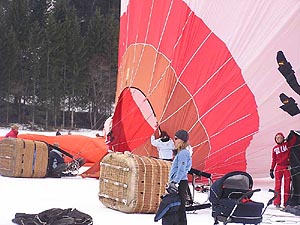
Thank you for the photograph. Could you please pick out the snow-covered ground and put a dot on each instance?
(35, 195)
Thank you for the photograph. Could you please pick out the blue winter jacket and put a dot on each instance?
(181, 164)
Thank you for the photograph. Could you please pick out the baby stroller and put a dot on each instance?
(231, 201)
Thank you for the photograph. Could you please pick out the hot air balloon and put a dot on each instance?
(208, 67)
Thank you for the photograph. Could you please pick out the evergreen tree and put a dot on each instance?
(74, 76)
(36, 38)
(39, 11)
(102, 73)
(9, 52)
(17, 18)
(55, 57)
(52, 81)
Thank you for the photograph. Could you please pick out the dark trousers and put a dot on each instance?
(55, 162)
(182, 191)
(170, 219)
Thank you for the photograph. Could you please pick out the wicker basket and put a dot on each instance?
(131, 183)
(23, 158)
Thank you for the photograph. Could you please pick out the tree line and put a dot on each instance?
(58, 61)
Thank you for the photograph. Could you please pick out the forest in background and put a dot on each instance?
(58, 62)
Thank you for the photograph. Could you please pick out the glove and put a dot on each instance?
(272, 173)
(172, 187)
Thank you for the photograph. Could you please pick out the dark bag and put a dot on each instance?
(54, 216)
(169, 204)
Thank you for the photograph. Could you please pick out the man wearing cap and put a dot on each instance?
(181, 164)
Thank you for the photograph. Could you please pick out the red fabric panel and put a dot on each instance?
(130, 128)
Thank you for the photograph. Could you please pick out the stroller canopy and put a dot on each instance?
(238, 180)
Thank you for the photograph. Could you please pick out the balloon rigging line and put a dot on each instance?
(127, 26)
(194, 54)
(177, 42)
(131, 140)
(189, 92)
(236, 121)
(223, 99)
(170, 61)
(229, 159)
(150, 16)
(178, 81)
(159, 43)
(218, 165)
(146, 36)
(232, 143)
(178, 78)
(134, 60)
(146, 150)
(229, 125)
(191, 98)
(143, 49)
(175, 46)
(138, 65)
(182, 30)
(128, 114)
(223, 129)
(156, 54)
(128, 71)
(198, 114)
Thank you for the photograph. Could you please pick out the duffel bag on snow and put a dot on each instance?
(54, 216)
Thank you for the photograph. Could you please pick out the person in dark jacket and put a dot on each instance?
(56, 162)
(58, 132)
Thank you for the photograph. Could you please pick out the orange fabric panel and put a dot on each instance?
(91, 149)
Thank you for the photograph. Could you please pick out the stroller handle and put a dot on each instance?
(249, 193)
(239, 201)
(272, 199)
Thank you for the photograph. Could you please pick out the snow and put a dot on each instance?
(34, 195)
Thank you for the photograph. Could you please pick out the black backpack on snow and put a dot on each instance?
(54, 216)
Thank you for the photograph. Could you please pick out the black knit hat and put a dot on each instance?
(182, 135)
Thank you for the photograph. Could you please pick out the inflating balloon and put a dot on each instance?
(211, 68)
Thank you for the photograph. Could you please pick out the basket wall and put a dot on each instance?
(131, 183)
(23, 158)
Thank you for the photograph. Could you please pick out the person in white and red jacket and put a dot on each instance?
(13, 133)
(164, 145)
(280, 163)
